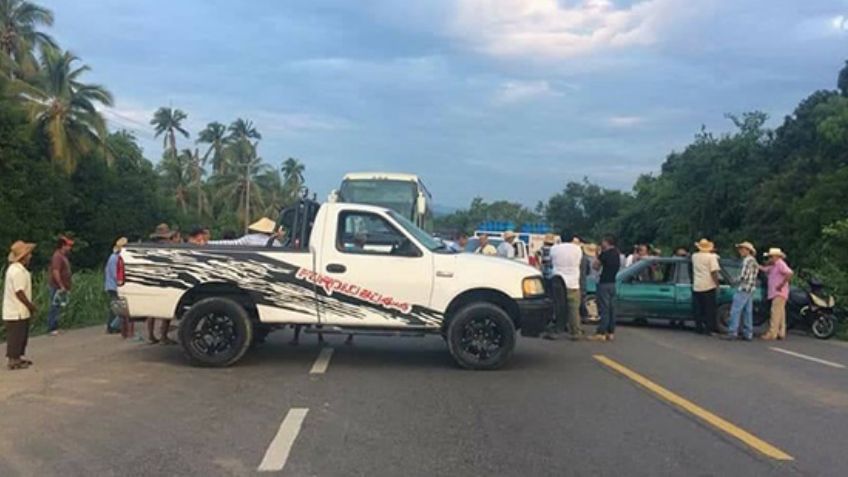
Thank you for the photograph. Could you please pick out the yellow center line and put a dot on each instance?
(719, 423)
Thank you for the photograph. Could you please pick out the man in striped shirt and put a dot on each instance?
(743, 298)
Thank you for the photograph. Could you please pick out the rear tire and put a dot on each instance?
(824, 327)
(481, 336)
(215, 332)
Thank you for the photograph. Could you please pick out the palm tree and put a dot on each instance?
(19, 35)
(167, 122)
(293, 176)
(64, 108)
(238, 185)
(194, 162)
(175, 171)
(243, 130)
(275, 195)
(215, 135)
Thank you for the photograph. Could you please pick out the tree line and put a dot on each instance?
(784, 187)
(64, 171)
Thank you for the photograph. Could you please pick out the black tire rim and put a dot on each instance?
(213, 335)
(482, 338)
(823, 326)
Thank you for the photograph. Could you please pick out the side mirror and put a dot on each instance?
(421, 204)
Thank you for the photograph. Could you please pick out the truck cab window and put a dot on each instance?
(367, 233)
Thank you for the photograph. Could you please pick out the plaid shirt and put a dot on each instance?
(748, 276)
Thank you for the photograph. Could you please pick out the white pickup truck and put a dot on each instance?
(344, 268)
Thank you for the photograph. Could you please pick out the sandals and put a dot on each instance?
(18, 365)
(168, 341)
(152, 341)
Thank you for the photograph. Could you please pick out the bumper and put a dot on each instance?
(535, 313)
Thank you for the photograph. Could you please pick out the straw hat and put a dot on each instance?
(590, 249)
(119, 244)
(508, 235)
(747, 245)
(775, 252)
(162, 231)
(263, 226)
(19, 250)
(705, 245)
(550, 239)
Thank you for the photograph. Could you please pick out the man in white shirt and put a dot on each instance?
(705, 269)
(506, 249)
(566, 258)
(17, 304)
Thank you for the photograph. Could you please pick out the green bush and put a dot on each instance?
(88, 303)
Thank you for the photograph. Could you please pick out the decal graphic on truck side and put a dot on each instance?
(272, 282)
(330, 285)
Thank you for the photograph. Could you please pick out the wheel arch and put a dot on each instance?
(220, 290)
(488, 295)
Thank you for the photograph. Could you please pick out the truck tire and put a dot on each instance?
(481, 336)
(215, 332)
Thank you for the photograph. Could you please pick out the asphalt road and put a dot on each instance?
(94, 405)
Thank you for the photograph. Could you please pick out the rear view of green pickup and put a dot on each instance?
(661, 288)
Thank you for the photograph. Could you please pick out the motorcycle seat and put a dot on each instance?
(822, 302)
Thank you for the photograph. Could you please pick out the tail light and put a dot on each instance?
(121, 274)
(534, 261)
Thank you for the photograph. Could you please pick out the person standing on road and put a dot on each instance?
(485, 248)
(59, 282)
(565, 259)
(17, 304)
(590, 252)
(162, 235)
(111, 280)
(743, 297)
(705, 269)
(608, 262)
(779, 275)
(506, 249)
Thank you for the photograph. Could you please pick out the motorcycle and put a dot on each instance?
(812, 308)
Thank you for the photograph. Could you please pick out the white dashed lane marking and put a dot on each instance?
(808, 358)
(278, 451)
(322, 361)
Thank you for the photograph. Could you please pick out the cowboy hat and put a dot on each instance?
(119, 244)
(508, 235)
(549, 239)
(263, 226)
(747, 245)
(590, 249)
(19, 250)
(705, 245)
(162, 231)
(66, 240)
(775, 252)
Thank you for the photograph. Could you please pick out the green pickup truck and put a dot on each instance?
(661, 288)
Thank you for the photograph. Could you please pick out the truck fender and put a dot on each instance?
(488, 295)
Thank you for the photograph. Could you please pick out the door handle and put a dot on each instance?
(336, 268)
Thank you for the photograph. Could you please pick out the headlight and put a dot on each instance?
(532, 287)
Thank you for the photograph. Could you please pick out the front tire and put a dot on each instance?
(481, 336)
(215, 332)
(824, 327)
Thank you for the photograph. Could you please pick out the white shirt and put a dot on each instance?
(17, 279)
(506, 250)
(566, 258)
(703, 264)
(250, 240)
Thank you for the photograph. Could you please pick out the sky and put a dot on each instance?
(503, 99)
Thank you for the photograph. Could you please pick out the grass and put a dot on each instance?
(88, 304)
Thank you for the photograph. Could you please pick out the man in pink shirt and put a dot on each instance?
(779, 275)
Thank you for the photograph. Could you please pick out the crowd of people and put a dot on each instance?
(568, 262)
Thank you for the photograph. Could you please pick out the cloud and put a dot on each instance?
(555, 30)
(515, 91)
(287, 122)
(625, 121)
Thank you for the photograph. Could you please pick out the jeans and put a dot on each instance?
(113, 321)
(705, 310)
(53, 312)
(606, 308)
(743, 304)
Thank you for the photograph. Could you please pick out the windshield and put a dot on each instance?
(395, 195)
(428, 241)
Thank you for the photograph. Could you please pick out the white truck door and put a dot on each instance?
(372, 274)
